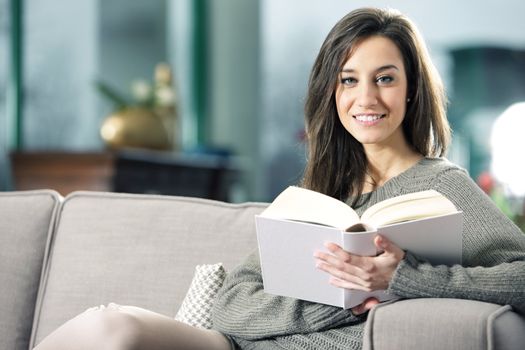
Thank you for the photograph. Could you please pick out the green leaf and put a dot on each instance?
(111, 94)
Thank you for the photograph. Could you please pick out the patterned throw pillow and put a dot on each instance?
(196, 307)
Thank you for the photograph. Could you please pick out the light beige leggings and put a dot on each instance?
(118, 327)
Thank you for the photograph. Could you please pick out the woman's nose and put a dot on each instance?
(367, 95)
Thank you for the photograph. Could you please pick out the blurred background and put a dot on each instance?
(205, 97)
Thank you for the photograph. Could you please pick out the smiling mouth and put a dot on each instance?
(368, 117)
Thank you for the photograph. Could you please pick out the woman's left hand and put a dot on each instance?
(365, 273)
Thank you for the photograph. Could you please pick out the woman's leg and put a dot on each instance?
(125, 327)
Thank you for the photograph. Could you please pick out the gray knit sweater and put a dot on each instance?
(493, 270)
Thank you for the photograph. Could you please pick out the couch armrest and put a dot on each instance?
(434, 324)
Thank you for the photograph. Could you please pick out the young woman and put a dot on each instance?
(376, 127)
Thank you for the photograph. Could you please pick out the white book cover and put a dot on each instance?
(286, 250)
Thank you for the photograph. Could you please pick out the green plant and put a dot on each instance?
(158, 93)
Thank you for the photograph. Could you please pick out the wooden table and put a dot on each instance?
(64, 172)
(132, 171)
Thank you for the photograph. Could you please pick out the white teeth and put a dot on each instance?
(368, 118)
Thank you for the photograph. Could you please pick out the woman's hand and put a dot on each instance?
(365, 273)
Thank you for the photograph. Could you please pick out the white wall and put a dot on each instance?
(60, 65)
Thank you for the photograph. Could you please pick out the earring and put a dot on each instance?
(408, 100)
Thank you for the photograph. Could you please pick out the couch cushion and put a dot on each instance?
(137, 250)
(26, 220)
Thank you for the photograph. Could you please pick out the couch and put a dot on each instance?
(59, 256)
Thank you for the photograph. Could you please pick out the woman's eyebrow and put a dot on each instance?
(380, 69)
(387, 67)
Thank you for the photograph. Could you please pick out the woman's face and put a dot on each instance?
(371, 93)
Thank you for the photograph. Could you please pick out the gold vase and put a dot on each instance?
(135, 127)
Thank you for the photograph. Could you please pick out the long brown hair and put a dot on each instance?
(337, 162)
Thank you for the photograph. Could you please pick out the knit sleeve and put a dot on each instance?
(493, 268)
(242, 309)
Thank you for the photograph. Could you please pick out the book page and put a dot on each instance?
(300, 204)
(408, 207)
(437, 239)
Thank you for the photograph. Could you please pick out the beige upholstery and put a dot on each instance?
(25, 225)
(452, 324)
(137, 250)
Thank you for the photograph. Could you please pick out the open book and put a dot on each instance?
(300, 221)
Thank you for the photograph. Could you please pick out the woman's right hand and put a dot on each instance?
(366, 273)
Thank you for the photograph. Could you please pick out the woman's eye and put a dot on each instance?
(385, 79)
(348, 81)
